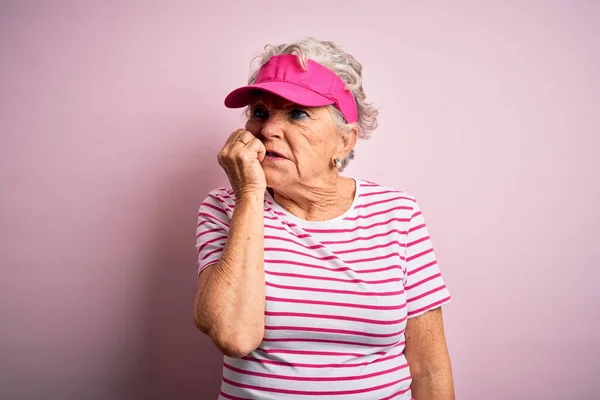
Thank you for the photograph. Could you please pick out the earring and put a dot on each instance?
(337, 162)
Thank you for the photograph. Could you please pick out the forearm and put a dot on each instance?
(433, 384)
(230, 308)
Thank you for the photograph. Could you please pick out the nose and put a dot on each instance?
(273, 127)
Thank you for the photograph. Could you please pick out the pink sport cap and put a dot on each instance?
(317, 86)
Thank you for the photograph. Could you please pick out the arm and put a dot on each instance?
(230, 301)
(426, 350)
(428, 357)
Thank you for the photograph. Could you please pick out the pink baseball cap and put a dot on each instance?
(317, 86)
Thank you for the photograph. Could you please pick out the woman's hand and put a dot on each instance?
(240, 157)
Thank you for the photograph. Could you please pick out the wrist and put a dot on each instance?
(250, 197)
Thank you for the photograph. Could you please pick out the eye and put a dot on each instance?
(298, 114)
(259, 113)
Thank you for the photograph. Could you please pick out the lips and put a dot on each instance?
(272, 153)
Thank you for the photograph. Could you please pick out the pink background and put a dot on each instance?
(110, 119)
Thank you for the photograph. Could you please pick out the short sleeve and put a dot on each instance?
(424, 284)
(213, 228)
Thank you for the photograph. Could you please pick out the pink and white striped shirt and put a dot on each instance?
(338, 295)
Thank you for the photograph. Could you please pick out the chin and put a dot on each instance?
(274, 178)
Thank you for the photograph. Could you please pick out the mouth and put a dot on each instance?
(274, 154)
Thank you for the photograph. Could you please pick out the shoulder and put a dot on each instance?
(218, 205)
(373, 194)
(222, 196)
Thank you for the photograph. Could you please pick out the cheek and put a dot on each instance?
(310, 152)
(321, 145)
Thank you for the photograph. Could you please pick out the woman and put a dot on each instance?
(315, 285)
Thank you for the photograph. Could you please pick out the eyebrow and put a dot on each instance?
(285, 106)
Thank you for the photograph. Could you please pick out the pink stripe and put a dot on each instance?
(210, 241)
(311, 289)
(203, 214)
(223, 202)
(401, 392)
(356, 228)
(272, 209)
(416, 214)
(429, 307)
(378, 213)
(209, 205)
(324, 278)
(283, 221)
(333, 303)
(210, 253)
(379, 246)
(328, 330)
(314, 353)
(361, 260)
(313, 247)
(301, 264)
(383, 201)
(281, 228)
(419, 269)
(308, 340)
(314, 393)
(365, 237)
(314, 378)
(269, 208)
(230, 397)
(423, 239)
(333, 257)
(304, 365)
(208, 264)
(429, 278)
(208, 231)
(284, 250)
(334, 317)
(327, 258)
(376, 193)
(427, 293)
(364, 271)
(409, 259)
(222, 196)
(416, 228)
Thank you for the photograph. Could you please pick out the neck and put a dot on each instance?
(317, 201)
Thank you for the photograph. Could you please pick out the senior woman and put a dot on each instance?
(314, 285)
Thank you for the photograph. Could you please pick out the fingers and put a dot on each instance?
(235, 136)
(245, 137)
(238, 144)
(241, 158)
(240, 136)
(257, 146)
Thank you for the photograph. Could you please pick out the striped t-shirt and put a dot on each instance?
(338, 295)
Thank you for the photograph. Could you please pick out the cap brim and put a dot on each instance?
(243, 96)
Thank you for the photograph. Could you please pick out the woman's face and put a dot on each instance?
(301, 142)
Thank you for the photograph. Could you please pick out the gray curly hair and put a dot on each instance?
(344, 65)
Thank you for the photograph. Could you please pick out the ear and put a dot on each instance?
(347, 143)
